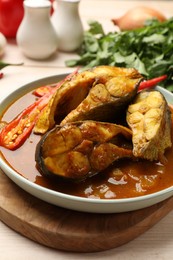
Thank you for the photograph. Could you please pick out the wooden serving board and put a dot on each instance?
(71, 230)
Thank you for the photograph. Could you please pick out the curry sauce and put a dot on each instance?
(124, 179)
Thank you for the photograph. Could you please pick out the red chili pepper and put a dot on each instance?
(151, 82)
(14, 134)
(1, 75)
(43, 90)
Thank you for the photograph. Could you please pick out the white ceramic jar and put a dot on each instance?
(67, 23)
(36, 36)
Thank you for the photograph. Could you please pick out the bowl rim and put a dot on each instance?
(24, 182)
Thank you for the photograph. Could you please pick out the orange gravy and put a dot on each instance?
(122, 180)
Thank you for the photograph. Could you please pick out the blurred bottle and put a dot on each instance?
(36, 36)
(68, 25)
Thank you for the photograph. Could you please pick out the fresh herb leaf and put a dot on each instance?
(148, 49)
(95, 28)
(4, 64)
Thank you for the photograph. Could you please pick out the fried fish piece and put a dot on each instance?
(94, 94)
(65, 99)
(78, 150)
(149, 118)
(112, 92)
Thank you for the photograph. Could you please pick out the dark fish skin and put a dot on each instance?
(79, 150)
(109, 97)
(98, 94)
(149, 118)
(65, 99)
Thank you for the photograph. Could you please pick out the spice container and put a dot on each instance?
(68, 25)
(36, 35)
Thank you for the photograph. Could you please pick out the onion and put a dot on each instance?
(136, 17)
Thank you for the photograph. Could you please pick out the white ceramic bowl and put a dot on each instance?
(74, 202)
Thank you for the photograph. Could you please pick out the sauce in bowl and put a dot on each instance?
(124, 179)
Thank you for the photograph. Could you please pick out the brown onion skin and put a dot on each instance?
(136, 17)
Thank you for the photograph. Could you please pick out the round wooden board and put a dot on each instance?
(71, 230)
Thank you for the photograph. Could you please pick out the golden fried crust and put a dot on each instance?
(150, 121)
(66, 98)
(94, 94)
(82, 149)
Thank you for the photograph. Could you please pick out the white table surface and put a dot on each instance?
(156, 243)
